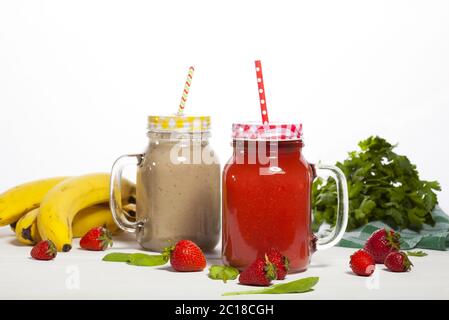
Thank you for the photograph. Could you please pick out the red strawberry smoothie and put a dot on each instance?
(267, 211)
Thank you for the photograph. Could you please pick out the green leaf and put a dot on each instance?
(416, 253)
(382, 185)
(137, 259)
(117, 257)
(396, 215)
(355, 190)
(367, 205)
(435, 185)
(297, 286)
(218, 272)
(415, 220)
(146, 260)
(327, 199)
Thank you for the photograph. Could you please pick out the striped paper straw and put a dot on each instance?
(262, 100)
(185, 93)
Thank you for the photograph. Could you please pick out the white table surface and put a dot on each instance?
(81, 274)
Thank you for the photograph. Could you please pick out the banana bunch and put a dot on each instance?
(59, 209)
(99, 215)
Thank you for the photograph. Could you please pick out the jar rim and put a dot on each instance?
(177, 135)
(179, 123)
(273, 131)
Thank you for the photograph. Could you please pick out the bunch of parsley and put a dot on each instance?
(382, 185)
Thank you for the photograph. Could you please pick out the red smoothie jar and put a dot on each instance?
(267, 191)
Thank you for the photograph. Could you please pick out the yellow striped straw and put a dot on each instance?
(185, 93)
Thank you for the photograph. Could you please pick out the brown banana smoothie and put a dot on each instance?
(178, 192)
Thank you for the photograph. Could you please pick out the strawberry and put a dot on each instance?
(44, 250)
(259, 273)
(398, 262)
(186, 256)
(280, 261)
(362, 263)
(96, 239)
(381, 243)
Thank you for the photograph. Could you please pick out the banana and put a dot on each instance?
(96, 216)
(130, 211)
(26, 228)
(15, 202)
(65, 200)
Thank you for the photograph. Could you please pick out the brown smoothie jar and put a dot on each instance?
(177, 187)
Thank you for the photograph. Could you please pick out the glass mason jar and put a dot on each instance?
(177, 188)
(267, 187)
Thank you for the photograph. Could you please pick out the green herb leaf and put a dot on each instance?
(146, 260)
(382, 185)
(416, 253)
(137, 259)
(117, 257)
(224, 273)
(297, 286)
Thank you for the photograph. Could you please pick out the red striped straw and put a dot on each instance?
(263, 101)
(185, 92)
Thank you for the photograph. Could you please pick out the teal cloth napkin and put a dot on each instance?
(434, 238)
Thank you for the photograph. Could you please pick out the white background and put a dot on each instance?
(78, 78)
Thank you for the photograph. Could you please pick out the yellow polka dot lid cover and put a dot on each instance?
(179, 123)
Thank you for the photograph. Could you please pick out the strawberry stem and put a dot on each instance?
(270, 269)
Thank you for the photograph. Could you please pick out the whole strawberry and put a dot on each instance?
(44, 250)
(96, 239)
(259, 273)
(280, 261)
(362, 263)
(186, 256)
(381, 243)
(398, 262)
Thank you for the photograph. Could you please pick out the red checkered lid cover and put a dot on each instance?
(271, 131)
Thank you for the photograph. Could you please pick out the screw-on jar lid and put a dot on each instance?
(271, 131)
(179, 123)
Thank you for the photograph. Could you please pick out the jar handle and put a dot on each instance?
(115, 203)
(341, 222)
